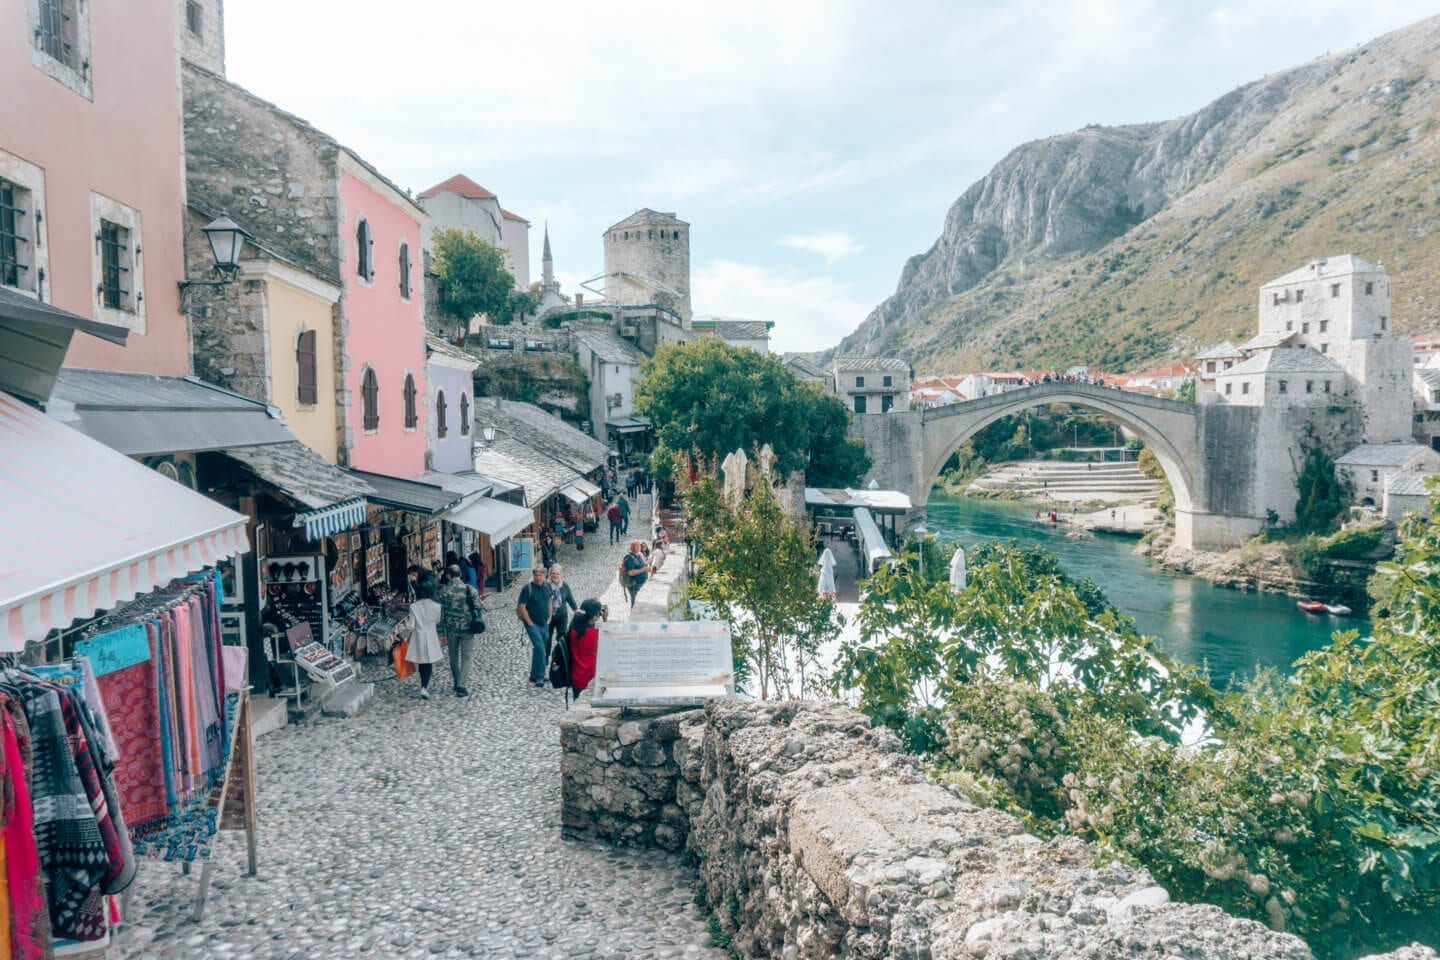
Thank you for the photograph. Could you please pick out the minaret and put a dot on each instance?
(547, 265)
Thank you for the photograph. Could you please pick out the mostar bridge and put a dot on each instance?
(1211, 453)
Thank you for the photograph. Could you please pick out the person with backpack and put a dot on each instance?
(535, 608)
(460, 619)
(562, 602)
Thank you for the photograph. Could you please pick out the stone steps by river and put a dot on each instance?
(1113, 482)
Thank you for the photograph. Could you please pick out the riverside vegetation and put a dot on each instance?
(1313, 805)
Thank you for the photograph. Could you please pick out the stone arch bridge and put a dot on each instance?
(1223, 483)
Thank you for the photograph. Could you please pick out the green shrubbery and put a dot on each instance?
(1315, 806)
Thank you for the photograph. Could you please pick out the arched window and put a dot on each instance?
(370, 400)
(441, 428)
(464, 415)
(307, 390)
(364, 268)
(411, 417)
(405, 270)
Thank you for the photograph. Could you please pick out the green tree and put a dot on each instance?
(1324, 493)
(472, 277)
(756, 567)
(707, 398)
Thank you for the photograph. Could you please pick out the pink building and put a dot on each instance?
(92, 184)
(384, 346)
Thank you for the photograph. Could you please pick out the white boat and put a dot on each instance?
(1338, 609)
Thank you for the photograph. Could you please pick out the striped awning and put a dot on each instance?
(88, 528)
(332, 519)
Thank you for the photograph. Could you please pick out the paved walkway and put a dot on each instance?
(428, 829)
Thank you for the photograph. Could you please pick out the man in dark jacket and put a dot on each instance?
(535, 608)
(562, 601)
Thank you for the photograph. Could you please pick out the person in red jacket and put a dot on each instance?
(583, 639)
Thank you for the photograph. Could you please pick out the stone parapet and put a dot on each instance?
(816, 836)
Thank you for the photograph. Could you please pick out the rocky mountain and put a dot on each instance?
(1126, 246)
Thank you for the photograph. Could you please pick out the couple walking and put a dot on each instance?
(544, 606)
(451, 610)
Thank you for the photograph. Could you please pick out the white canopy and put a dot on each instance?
(872, 541)
(87, 528)
(496, 519)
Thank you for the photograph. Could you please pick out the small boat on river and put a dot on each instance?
(1337, 609)
(1311, 606)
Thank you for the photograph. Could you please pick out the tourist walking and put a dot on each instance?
(535, 607)
(460, 607)
(481, 573)
(624, 506)
(549, 552)
(562, 602)
(614, 515)
(422, 639)
(582, 641)
(634, 570)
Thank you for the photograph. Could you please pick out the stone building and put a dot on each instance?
(754, 334)
(450, 396)
(872, 384)
(1340, 307)
(463, 204)
(612, 367)
(1373, 468)
(201, 37)
(804, 369)
(322, 210)
(647, 260)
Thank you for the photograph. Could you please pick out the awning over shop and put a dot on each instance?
(87, 528)
(143, 415)
(871, 539)
(574, 494)
(336, 500)
(585, 487)
(628, 424)
(33, 339)
(496, 519)
(877, 501)
(409, 495)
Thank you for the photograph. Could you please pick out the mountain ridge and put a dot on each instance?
(1121, 246)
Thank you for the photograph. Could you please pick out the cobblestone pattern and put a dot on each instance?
(427, 829)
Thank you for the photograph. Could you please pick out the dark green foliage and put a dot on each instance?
(1324, 494)
(472, 277)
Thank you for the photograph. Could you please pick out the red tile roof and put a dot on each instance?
(462, 185)
(512, 216)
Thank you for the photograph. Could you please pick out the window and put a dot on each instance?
(1299, 295)
(307, 390)
(1324, 348)
(1284, 386)
(1374, 476)
(1324, 325)
(441, 427)
(194, 18)
(117, 273)
(649, 234)
(1209, 366)
(412, 417)
(859, 382)
(1289, 324)
(1309, 386)
(1227, 388)
(405, 270)
(464, 415)
(61, 41)
(16, 233)
(1369, 289)
(116, 268)
(886, 381)
(1274, 299)
(370, 400)
(886, 402)
(1245, 387)
(1305, 327)
(1334, 290)
(364, 269)
(1382, 322)
(860, 404)
(1327, 386)
(1435, 396)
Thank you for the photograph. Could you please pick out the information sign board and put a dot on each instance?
(663, 663)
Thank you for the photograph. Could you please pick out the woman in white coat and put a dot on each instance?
(419, 629)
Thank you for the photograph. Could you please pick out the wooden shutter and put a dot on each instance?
(411, 418)
(305, 360)
(370, 401)
(441, 428)
(464, 415)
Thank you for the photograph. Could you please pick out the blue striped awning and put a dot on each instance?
(332, 519)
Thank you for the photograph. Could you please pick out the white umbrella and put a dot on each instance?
(827, 572)
(957, 569)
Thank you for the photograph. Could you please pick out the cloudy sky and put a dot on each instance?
(813, 146)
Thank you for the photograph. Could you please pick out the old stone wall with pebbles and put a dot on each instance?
(816, 836)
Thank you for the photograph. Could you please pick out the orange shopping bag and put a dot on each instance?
(403, 667)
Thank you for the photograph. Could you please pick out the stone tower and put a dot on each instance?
(547, 266)
(201, 28)
(647, 260)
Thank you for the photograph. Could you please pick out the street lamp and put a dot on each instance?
(226, 239)
(920, 532)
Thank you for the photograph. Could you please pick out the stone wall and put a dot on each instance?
(816, 836)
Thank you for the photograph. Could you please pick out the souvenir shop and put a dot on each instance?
(483, 526)
(119, 732)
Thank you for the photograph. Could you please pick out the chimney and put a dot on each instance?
(579, 300)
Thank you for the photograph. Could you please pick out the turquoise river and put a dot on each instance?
(1230, 630)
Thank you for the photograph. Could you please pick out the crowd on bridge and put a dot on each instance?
(1080, 378)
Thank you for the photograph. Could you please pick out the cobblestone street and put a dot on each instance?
(428, 829)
